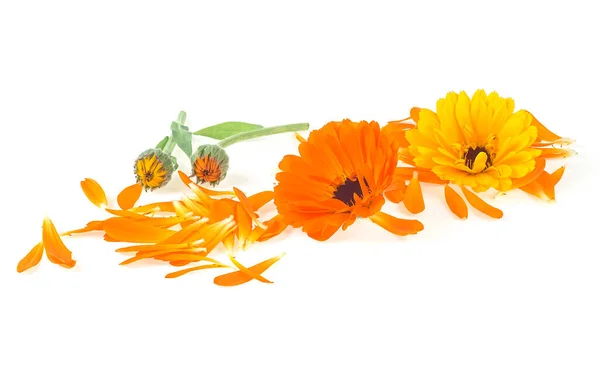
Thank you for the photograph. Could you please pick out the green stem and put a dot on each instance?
(170, 146)
(242, 136)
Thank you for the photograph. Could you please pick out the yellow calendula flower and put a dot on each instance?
(478, 142)
(153, 169)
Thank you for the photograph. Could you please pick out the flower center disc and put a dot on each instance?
(471, 155)
(345, 191)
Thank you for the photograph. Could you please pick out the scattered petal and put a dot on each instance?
(129, 196)
(56, 250)
(32, 258)
(479, 204)
(240, 277)
(94, 192)
(413, 197)
(456, 203)
(133, 231)
(395, 225)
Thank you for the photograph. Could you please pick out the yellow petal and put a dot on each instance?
(94, 192)
(129, 196)
(32, 258)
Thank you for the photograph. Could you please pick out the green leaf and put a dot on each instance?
(161, 145)
(182, 137)
(226, 129)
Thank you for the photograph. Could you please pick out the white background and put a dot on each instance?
(86, 86)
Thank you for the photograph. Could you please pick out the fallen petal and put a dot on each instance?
(413, 197)
(133, 231)
(196, 268)
(455, 202)
(32, 258)
(241, 277)
(56, 250)
(395, 225)
(94, 192)
(479, 204)
(129, 196)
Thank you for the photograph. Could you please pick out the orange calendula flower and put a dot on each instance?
(477, 143)
(342, 172)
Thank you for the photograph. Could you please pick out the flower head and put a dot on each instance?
(154, 168)
(478, 142)
(210, 164)
(342, 173)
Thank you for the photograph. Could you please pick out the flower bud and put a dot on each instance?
(154, 168)
(210, 164)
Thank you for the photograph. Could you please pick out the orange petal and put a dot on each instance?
(32, 258)
(275, 226)
(153, 248)
(413, 197)
(185, 233)
(395, 193)
(248, 207)
(56, 250)
(90, 226)
(543, 132)
(241, 277)
(480, 205)
(455, 202)
(94, 192)
(196, 268)
(425, 176)
(155, 207)
(129, 196)
(414, 113)
(395, 225)
(260, 199)
(248, 272)
(244, 223)
(125, 229)
(229, 243)
(188, 182)
(540, 165)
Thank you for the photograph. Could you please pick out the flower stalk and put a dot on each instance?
(294, 127)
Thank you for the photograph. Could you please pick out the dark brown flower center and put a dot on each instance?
(471, 155)
(149, 176)
(345, 192)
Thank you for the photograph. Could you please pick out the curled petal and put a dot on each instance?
(395, 225)
(455, 202)
(129, 196)
(56, 250)
(540, 165)
(241, 277)
(94, 192)
(275, 226)
(32, 258)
